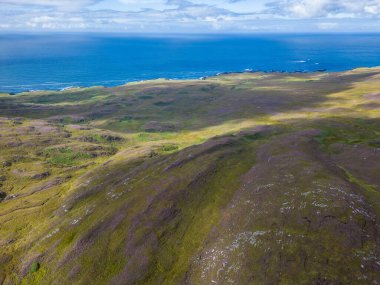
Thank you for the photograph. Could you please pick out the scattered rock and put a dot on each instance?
(68, 119)
(3, 195)
(153, 154)
(4, 259)
(93, 148)
(111, 138)
(50, 184)
(41, 175)
(17, 121)
(67, 135)
(10, 197)
(108, 138)
(14, 144)
(11, 241)
(7, 163)
(16, 158)
(88, 139)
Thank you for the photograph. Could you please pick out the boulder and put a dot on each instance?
(2, 195)
(41, 175)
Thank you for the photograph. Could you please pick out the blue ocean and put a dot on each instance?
(54, 62)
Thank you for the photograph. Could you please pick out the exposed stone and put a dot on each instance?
(2, 195)
(7, 163)
(41, 175)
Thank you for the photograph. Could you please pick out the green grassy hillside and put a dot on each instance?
(249, 178)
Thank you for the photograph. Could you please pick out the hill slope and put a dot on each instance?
(247, 178)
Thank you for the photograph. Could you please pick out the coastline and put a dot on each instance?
(246, 71)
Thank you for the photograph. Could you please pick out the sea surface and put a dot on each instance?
(54, 62)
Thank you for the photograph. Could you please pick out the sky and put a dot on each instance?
(190, 16)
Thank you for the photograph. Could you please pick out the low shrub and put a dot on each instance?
(34, 267)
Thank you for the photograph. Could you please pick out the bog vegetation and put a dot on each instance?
(251, 178)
